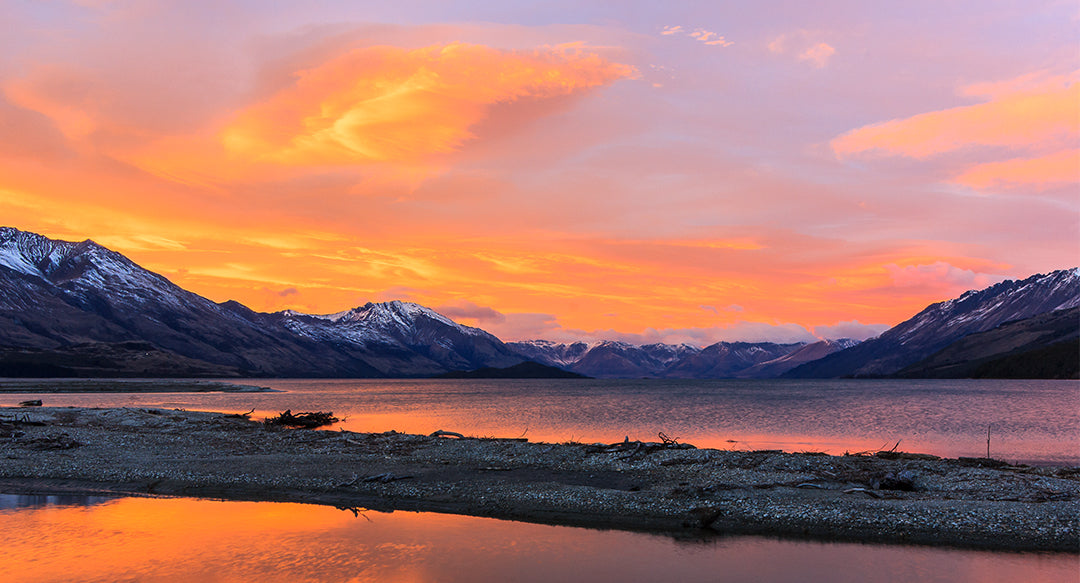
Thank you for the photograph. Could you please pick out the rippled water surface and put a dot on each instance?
(48, 539)
(1029, 421)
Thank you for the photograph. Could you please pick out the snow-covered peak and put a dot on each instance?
(843, 343)
(384, 314)
(86, 262)
(33, 254)
(386, 322)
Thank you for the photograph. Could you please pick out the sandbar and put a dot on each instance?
(888, 497)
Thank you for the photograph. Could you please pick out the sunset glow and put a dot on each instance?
(645, 172)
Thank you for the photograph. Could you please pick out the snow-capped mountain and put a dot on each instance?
(802, 354)
(729, 359)
(550, 353)
(56, 294)
(1046, 346)
(610, 359)
(66, 307)
(943, 323)
(390, 327)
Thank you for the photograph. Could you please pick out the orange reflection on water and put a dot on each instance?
(199, 540)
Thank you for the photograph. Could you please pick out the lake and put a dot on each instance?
(1029, 421)
(62, 539)
(50, 538)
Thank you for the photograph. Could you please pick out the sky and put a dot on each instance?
(640, 171)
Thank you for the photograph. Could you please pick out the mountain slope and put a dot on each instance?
(943, 323)
(1042, 346)
(806, 353)
(55, 294)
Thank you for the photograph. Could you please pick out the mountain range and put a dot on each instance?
(56, 298)
(79, 309)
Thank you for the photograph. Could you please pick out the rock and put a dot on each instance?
(903, 481)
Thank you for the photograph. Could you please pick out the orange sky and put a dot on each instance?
(686, 174)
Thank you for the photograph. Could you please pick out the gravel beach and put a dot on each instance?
(662, 486)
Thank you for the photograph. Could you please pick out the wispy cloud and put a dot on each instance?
(1024, 133)
(818, 54)
(805, 45)
(699, 34)
(384, 103)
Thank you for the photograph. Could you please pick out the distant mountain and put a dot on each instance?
(610, 359)
(1043, 346)
(57, 294)
(523, 370)
(941, 324)
(803, 354)
(550, 353)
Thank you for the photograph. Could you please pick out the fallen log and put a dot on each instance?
(302, 420)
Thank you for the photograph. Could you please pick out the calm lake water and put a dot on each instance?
(1029, 421)
(50, 539)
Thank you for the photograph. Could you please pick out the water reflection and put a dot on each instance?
(199, 540)
(1032, 421)
(12, 501)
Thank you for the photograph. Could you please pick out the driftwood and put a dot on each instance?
(386, 478)
(22, 419)
(630, 449)
(356, 511)
(441, 433)
(869, 493)
(302, 420)
(34, 403)
(241, 415)
(379, 478)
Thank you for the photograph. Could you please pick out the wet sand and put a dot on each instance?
(670, 487)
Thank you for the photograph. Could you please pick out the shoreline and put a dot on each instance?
(657, 487)
(122, 385)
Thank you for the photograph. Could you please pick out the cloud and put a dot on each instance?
(467, 309)
(940, 275)
(527, 326)
(1053, 170)
(699, 34)
(806, 45)
(740, 331)
(1024, 134)
(852, 329)
(1020, 118)
(818, 54)
(383, 103)
(398, 292)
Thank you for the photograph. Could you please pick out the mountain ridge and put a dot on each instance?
(942, 323)
(82, 301)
